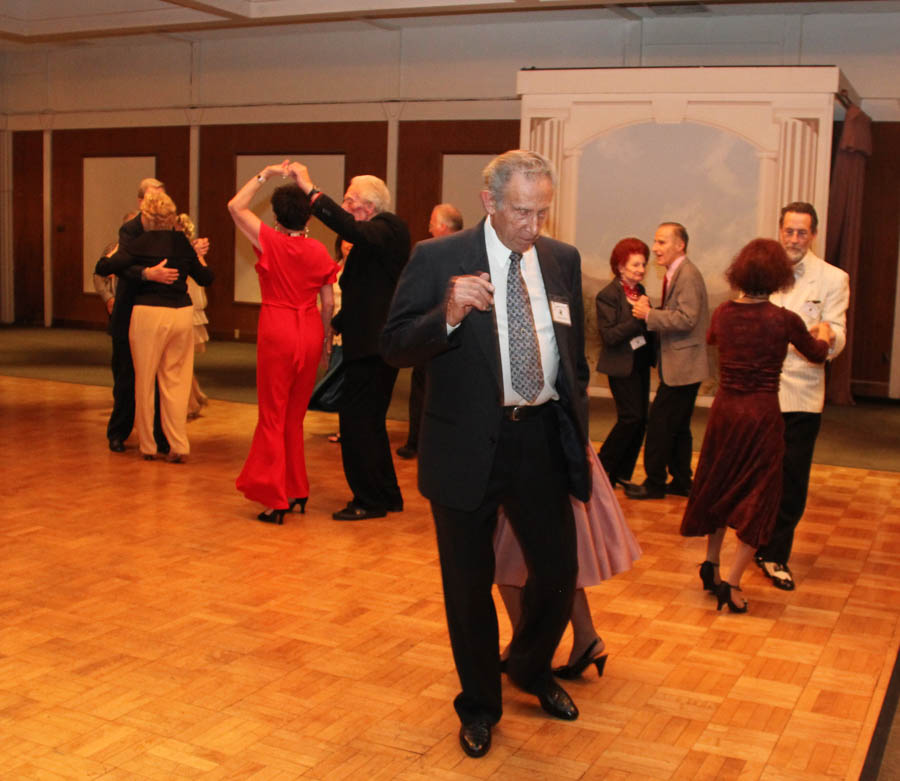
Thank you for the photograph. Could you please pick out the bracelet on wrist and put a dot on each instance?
(260, 178)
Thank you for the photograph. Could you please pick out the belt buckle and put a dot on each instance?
(516, 412)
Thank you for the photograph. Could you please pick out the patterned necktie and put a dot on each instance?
(526, 372)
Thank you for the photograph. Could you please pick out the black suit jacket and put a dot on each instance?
(617, 328)
(127, 286)
(464, 386)
(380, 251)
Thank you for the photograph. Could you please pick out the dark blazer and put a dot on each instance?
(617, 328)
(120, 319)
(464, 386)
(380, 251)
(148, 249)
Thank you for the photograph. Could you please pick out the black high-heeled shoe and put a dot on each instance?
(272, 516)
(723, 597)
(708, 576)
(301, 500)
(574, 670)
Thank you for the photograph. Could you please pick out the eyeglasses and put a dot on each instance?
(800, 234)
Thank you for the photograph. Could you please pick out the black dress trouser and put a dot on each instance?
(800, 432)
(669, 442)
(529, 479)
(365, 449)
(619, 451)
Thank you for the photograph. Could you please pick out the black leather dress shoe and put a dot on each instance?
(644, 492)
(355, 512)
(675, 489)
(406, 452)
(556, 701)
(397, 507)
(117, 446)
(475, 738)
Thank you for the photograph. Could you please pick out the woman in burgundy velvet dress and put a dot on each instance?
(293, 272)
(738, 480)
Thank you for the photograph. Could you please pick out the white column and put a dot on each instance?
(392, 112)
(767, 196)
(797, 157)
(547, 140)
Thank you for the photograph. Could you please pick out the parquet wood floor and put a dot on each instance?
(152, 629)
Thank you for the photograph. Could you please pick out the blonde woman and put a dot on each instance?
(161, 331)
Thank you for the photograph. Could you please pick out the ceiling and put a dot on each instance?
(30, 23)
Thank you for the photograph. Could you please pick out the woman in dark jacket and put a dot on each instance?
(161, 331)
(627, 353)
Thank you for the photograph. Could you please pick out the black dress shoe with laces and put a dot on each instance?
(556, 701)
(356, 512)
(475, 738)
(644, 491)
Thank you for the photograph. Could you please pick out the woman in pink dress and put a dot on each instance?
(738, 479)
(606, 547)
(293, 271)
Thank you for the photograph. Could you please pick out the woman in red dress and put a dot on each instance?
(738, 480)
(293, 271)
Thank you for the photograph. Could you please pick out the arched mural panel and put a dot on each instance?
(633, 178)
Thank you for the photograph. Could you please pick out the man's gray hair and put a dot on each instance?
(500, 170)
(372, 191)
(147, 184)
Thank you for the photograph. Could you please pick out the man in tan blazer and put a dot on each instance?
(681, 322)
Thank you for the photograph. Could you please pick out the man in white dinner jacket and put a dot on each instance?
(821, 293)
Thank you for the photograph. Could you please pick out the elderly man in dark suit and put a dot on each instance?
(380, 250)
(496, 316)
(681, 323)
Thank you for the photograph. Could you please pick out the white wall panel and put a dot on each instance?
(867, 49)
(302, 68)
(481, 61)
(118, 77)
(110, 192)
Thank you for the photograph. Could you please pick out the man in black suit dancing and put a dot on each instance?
(380, 250)
(496, 316)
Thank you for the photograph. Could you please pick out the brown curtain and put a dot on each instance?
(844, 226)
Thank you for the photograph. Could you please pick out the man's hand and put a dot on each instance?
(201, 247)
(110, 303)
(466, 293)
(301, 175)
(159, 273)
(641, 307)
(824, 332)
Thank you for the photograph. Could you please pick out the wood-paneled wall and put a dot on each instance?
(877, 279)
(363, 145)
(170, 146)
(28, 226)
(420, 160)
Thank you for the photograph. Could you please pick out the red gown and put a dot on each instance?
(738, 479)
(291, 270)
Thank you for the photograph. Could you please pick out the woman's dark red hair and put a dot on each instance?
(624, 250)
(761, 267)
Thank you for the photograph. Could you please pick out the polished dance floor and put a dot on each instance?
(150, 628)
